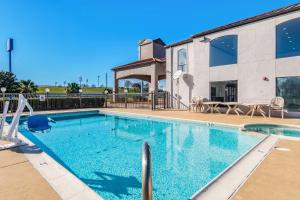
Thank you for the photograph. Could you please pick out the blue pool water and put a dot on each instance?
(105, 152)
(273, 129)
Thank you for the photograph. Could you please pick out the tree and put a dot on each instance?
(9, 81)
(27, 86)
(127, 84)
(72, 88)
(136, 86)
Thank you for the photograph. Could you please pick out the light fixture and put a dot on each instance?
(47, 90)
(80, 90)
(204, 39)
(3, 89)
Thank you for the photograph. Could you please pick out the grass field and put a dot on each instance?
(54, 89)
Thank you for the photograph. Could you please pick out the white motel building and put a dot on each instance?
(251, 60)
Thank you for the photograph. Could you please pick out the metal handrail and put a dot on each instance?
(146, 172)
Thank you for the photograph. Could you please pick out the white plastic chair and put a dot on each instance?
(277, 104)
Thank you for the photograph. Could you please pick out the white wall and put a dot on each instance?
(256, 59)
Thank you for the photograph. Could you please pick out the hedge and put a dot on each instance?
(58, 103)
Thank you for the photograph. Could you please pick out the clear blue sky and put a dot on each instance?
(60, 40)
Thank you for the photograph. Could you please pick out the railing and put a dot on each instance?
(146, 172)
(56, 101)
(152, 101)
(174, 103)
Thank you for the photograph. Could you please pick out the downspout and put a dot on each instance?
(171, 77)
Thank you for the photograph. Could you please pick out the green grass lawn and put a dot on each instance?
(54, 89)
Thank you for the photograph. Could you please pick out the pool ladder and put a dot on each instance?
(146, 172)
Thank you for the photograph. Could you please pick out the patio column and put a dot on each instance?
(116, 87)
(154, 85)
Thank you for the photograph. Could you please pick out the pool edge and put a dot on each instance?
(63, 182)
(226, 184)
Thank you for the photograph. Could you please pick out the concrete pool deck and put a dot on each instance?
(19, 179)
(277, 176)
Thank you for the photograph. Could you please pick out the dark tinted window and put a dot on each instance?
(289, 89)
(223, 51)
(288, 38)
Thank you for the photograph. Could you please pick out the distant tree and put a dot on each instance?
(9, 81)
(146, 87)
(80, 80)
(72, 88)
(55, 83)
(136, 86)
(127, 84)
(65, 82)
(27, 86)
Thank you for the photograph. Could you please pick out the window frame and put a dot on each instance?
(211, 54)
(184, 67)
(278, 28)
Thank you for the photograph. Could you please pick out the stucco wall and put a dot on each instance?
(146, 51)
(256, 59)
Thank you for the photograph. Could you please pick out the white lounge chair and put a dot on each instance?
(194, 103)
(277, 104)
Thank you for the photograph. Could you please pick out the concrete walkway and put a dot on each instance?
(19, 180)
(218, 118)
(278, 177)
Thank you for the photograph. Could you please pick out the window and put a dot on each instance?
(289, 89)
(288, 38)
(223, 51)
(182, 63)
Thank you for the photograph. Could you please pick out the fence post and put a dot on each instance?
(80, 102)
(164, 100)
(125, 99)
(152, 101)
(47, 100)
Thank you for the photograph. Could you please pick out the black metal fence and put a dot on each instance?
(152, 101)
(39, 102)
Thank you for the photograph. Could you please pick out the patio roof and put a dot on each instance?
(140, 62)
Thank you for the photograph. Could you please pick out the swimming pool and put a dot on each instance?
(105, 150)
(274, 129)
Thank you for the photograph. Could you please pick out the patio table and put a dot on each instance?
(256, 107)
(212, 106)
(233, 106)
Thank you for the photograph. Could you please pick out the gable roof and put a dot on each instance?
(266, 15)
(140, 62)
(147, 41)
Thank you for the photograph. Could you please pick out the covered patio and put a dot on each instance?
(151, 70)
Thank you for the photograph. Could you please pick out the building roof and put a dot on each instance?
(140, 62)
(147, 41)
(266, 15)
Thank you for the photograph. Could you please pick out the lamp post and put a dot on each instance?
(106, 92)
(3, 90)
(9, 48)
(80, 92)
(47, 90)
